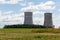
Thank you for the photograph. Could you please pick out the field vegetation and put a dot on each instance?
(29, 34)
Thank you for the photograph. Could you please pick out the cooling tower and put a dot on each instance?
(48, 20)
(28, 18)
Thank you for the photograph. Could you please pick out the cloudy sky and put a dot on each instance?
(12, 11)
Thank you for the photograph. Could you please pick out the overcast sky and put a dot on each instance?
(12, 11)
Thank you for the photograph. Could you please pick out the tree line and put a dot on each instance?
(24, 26)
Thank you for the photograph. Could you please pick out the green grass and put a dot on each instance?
(29, 34)
(46, 30)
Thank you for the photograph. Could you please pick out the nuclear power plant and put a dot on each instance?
(28, 18)
(48, 20)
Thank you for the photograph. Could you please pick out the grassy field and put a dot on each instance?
(29, 34)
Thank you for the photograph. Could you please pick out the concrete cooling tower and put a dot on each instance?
(28, 18)
(48, 20)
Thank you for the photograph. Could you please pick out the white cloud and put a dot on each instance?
(11, 19)
(50, 2)
(38, 12)
(9, 2)
(38, 20)
(0, 13)
(56, 20)
(30, 3)
(49, 5)
(58, 9)
(22, 4)
(8, 12)
(26, 4)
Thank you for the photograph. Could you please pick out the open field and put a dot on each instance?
(29, 34)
